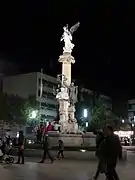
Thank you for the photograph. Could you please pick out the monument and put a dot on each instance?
(66, 94)
(67, 91)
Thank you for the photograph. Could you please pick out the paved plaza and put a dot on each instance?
(63, 170)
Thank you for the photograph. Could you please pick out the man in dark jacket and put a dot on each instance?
(111, 149)
(21, 141)
(60, 149)
(99, 139)
(46, 148)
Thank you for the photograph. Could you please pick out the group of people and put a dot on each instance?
(5, 145)
(108, 150)
(46, 149)
(41, 131)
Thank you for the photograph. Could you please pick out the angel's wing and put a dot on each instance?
(75, 27)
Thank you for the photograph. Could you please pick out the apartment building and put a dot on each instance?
(37, 85)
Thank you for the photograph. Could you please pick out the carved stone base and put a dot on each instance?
(63, 112)
(71, 112)
(70, 128)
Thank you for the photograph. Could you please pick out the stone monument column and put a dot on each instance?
(66, 107)
(66, 59)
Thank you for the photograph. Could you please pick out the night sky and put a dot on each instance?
(104, 44)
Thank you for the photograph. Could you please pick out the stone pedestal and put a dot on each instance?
(63, 113)
(73, 140)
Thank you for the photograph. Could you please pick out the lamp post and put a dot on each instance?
(123, 121)
(85, 115)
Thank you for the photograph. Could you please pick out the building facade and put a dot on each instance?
(38, 85)
(107, 101)
(120, 108)
(131, 108)
(85, 102)
(87, 99)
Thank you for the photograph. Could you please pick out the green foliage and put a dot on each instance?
(16, 110)
(98, 117)
(12, 109)
(31, 105)
(102, 116)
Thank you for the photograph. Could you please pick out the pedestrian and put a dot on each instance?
(111, 150)
(21, 141)
(60, 149)
(9, 145)
(49, 127)
(99, 140)
(46, 147)
(38, 135)
(44, 132)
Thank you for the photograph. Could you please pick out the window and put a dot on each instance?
(52, 106)
(48, 95)
(39, 93)
(49, 106)
(46, 83)
(43, 104)
(48, 117)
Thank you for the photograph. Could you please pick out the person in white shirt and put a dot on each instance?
(56, 126)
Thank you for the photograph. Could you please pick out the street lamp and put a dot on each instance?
(33, 114)
(123, 120)
(85, 113)
(86, 124)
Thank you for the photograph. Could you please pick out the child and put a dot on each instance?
(60, 149)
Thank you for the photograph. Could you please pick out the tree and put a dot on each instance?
(31, 106)
(12, 109)
(98, 116)
(102, 116)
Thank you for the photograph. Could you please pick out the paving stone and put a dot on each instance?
(61, 170)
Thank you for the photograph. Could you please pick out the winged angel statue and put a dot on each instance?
(67, 37)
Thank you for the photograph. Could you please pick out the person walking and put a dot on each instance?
(21, 141)
(99, 140)
(46, 147)
(60, 149)
(111, 150)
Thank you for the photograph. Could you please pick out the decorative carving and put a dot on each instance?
(73, 93)
(63, 94)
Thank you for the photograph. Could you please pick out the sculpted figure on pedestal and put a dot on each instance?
(67, 37)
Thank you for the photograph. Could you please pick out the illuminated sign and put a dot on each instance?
(124, 133)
